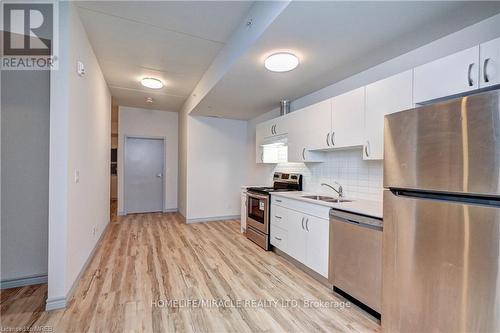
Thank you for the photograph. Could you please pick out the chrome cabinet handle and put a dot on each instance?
(302, 222)
(469, 73)
(328, 139)
(277, 238)
(304, 154)
(278, 217)
(275, 132)
(333, 138)
(307, 224)
(262, 156)
(367, 149)
(485, 75)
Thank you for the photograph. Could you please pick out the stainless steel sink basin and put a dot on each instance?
(325, 198)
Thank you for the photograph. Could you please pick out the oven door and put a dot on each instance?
(258, 212)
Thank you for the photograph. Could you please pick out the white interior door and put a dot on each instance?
(144, 165)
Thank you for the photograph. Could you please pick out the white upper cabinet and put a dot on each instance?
(348, 112)
(270, 128)
(384, 97)
(265, 133)
(489, 73)
(315, 122)
(451, 75)
(309, 128)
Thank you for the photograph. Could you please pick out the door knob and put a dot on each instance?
(159, 175)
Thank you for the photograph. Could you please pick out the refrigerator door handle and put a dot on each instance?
(449, 197)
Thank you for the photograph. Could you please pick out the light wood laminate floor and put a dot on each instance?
(144, 260)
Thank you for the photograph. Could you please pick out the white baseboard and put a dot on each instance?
(55, 303)
(61, 302)
(215, 218)
(23, 281)
(121, 213)
(170, 210)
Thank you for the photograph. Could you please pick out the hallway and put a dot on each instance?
(144, 260)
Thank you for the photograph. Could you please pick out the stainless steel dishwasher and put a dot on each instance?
(356, 256)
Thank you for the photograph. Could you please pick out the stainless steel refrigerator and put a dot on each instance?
(441, 242)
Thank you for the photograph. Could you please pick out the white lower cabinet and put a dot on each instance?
(302, 236)
(317, 244)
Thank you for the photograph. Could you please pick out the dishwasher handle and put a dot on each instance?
(361, 220)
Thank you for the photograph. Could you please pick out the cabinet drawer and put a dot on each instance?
(279, 217)
(302, 207)
(279, 238)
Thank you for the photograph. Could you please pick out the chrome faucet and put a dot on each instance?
(340, 191)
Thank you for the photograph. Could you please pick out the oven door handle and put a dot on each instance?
(256, 196)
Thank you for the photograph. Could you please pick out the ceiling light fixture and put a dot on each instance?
(281, 62)
(152, 83)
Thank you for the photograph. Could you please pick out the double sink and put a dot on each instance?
(325, 198)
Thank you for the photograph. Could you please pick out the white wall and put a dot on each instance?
(215, 167)
(151, 123)
(25, 120)
(182, 172)
(359, 179)
(80, 127)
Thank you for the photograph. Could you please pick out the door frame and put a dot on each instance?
(146, 137)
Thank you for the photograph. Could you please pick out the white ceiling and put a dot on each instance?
(334, 40)
(173, 41)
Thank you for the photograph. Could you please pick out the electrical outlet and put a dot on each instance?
(77, 176)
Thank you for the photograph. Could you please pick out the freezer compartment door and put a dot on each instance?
(451, 146)
(440, 266)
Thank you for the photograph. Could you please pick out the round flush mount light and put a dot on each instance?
(281, 62)
(152, 83)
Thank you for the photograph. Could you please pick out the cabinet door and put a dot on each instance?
(296, 242)
(317, 247)
(348, 119)
(489, 74)
(384, 97)
(454, 74)
(315, 122)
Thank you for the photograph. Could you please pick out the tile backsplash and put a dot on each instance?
(360, 179)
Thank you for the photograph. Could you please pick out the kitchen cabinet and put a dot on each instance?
(383, 97)
(301, 233)
(455, 74)
(489, 73)
(315, 124)
(297, 236)
(268, 132)
(317, 244)
(348, 111)
(309, 129)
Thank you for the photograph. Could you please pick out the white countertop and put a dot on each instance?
(360, 206)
